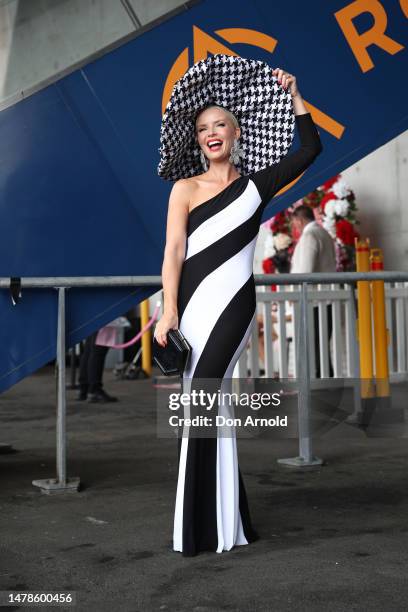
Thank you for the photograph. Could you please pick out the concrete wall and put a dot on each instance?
(40, 38)
(380, 182)
(148, 10)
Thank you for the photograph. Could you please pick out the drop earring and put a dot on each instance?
(203, 161)
(235, 153)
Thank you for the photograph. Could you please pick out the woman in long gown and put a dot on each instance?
(209, 294)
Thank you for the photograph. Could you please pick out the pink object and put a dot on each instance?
(267, 224)
(108, 337)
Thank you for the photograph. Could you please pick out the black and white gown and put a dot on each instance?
(216, 309)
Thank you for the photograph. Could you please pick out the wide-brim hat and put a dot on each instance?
(248, 89)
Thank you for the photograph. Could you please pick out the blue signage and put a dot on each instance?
(79, 190)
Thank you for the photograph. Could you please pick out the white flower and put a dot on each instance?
(282, 241)
(329, 225)
(269, 247)
(341, 207)
(329, 209)
(340, 189)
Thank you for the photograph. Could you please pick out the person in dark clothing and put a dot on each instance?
(91, 372)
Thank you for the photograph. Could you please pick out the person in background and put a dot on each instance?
(91, 372)
(314, 252)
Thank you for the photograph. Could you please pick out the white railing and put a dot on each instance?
(281, 353)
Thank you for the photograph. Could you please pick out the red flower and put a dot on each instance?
(327, 185)
(312, 199)
(326, 198)
(269, 268)
(280, 223)
(345, 232)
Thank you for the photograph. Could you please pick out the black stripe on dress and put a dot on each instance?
(231, 327)
(197, 267)
(208, 209)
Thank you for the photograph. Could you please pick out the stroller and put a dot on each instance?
(130, 371)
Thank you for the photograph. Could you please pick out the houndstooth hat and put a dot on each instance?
(248, 89)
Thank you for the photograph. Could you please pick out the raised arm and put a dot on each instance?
(271, 179)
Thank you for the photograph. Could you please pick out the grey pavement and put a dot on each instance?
(332, 539)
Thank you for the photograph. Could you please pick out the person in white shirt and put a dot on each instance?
(314, 252)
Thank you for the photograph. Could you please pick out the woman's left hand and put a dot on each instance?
(286, 80)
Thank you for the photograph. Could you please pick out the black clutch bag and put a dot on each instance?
(172, 358)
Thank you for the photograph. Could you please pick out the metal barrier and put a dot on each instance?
(343, 342)
(306, 458)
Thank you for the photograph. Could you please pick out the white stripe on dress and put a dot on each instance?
(229, 523)
(225, 221)
(210, 299)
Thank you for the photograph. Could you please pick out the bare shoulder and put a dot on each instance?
(184, 184)
(190, 185)
(182, 189)
(179, 200)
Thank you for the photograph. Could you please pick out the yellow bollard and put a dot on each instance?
(146, 338)
(380, 327)
(364, 325)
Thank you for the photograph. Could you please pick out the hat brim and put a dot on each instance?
(248, 89)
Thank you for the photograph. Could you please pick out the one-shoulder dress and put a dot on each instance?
(216, 310)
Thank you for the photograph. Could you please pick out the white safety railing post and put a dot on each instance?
(283, 349)
(400, 326)
(295, 336)
(337, 340)
(267, 339)
(390, 324)
(312, 339)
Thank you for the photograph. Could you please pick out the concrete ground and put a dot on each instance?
(332, 539)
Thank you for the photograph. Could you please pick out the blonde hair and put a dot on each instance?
(230, 115)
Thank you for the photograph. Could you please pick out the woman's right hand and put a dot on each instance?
(165, 323)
